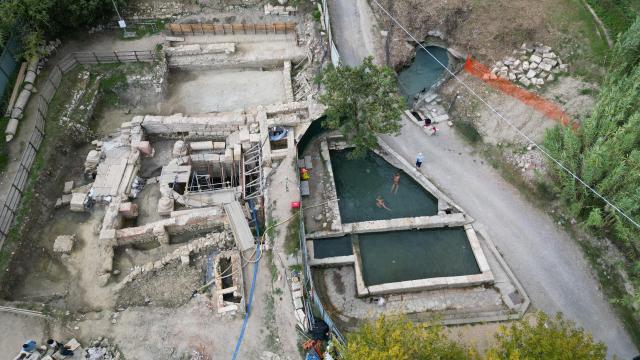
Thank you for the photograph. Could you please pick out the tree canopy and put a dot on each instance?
(362, 102)
(398, 338)
(36, 19)
(546, 339)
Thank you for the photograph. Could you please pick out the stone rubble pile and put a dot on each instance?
(529, 65)
(101, 349)
(182, 254)
(279, 10)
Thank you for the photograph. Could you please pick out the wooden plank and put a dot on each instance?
(304, 188)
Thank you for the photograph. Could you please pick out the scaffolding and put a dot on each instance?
(252, 172)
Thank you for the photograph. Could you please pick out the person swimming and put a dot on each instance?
(380, 203)
(395, 182)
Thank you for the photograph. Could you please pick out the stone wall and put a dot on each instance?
(181, 254)
(162, 229)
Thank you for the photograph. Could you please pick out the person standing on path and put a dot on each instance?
(419, 160)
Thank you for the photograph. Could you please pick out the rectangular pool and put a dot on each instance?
(389, 257)
(360, 181)
(332, 247)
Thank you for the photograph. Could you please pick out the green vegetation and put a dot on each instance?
(605, 153)
(400, 339)
(468, 130)
(362, 102)
(545, 338)
(38, 19)
(143, 29)
(292, 241)
(53, 130)
(617, 15)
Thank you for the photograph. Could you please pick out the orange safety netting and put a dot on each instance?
(546, 107)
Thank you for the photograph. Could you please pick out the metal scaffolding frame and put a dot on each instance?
(252, 172)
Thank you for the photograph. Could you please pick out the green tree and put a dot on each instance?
(362, 102)
(37, 19)
(605, 152)
(400, 339)
(545, 339)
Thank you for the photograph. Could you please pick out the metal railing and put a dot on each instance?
(47, 91)
(309, 288)
(335, 56)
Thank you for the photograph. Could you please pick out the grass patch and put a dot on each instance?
(612, 286)
(468, 131)
(588, 91)
(617, 15)
(580, 42)
(140, 30)
(53, 131)
(292, 241)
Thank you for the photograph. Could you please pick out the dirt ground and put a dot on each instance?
(489, 31)
(573, 95)
(227, 90)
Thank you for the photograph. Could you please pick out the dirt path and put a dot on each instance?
(352, 32)
(550, 265)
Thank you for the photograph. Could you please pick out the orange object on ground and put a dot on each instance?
(304, 174)
(313, 344)
(546, 107)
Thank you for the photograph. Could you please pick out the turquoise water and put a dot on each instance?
(423, 72)
(415, 254)
(360, 181)
(330, 247)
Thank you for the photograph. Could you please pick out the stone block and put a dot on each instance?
(66, 199)
(64, 244)
(77, 202)
(297, 303)
(68, 186)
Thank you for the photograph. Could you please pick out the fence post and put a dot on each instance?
(116, 55)
(96, 57)
(135, 53)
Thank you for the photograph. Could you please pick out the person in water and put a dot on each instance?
(380, 203)
(395, 182)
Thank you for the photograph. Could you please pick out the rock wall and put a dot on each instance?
(144, 9)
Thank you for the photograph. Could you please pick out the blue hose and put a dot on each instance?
(253, 282)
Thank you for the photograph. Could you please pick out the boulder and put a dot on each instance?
(64, 244)
(68, 186)
(531, 74)
(524, 81)
(535, 59)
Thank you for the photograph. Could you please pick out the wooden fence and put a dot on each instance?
(231, 29)
(48, 88)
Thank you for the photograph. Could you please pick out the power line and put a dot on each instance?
(539, 147)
